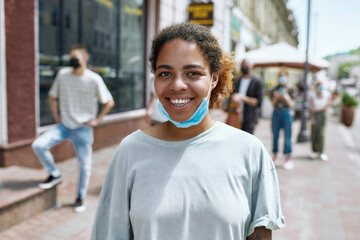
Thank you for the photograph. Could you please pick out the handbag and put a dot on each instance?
(233, 118)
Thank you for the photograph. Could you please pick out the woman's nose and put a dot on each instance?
(178, 83)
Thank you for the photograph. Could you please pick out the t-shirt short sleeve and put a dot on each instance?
(103, 93)
(265, 207)
(54, 90)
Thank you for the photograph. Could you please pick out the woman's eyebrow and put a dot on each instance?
(190, 66)
(193, 66)
(164, 66)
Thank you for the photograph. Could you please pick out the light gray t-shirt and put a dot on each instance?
(218, 185)
(79, 96)
(320, 102)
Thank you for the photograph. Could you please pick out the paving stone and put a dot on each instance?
(319, 199)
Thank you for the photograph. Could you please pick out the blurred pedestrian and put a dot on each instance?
(153, 114)
(282, 119)
(320, 100)
(190, 177)
(248, 93)
(73, 99)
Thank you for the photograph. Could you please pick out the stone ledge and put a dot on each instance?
(27, 207)
(20, 198)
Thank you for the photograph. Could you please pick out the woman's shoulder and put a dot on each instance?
(130, 140)
(234, 135)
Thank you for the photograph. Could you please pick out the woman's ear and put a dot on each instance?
(215, 80)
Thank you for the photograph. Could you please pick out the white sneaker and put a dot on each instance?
(276, 161)
(314, 155)
(324, 157)
(79, 205)
(289, 164)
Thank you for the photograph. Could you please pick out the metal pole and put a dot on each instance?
(61, 32)
(80, 22)
(304, 134)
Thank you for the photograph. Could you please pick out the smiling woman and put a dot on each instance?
(190, 177)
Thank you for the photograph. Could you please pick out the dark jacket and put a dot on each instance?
(255, 90)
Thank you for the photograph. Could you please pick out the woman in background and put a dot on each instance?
(320, 100)
(282, 119)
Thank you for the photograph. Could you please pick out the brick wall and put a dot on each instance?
(105, 135)
(20, 66)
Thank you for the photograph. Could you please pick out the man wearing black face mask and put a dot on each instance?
(248, 92)
(74, 98)
(74, 62)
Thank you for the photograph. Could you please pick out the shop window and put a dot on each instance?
(54, 16)
(113, 31)
(67, 20)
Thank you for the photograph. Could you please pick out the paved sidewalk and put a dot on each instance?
(62, 222)
(320, 200)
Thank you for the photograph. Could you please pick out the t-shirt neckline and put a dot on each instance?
(185, 142)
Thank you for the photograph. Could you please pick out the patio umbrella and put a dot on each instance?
(283, 55)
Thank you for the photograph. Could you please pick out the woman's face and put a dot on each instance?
(182, 78)
(319, 88)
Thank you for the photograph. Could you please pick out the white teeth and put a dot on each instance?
(179, 102)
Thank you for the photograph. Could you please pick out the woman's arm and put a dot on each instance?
(288, 100)
(274, 97)
(260, 233)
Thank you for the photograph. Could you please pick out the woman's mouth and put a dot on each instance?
(179, 102)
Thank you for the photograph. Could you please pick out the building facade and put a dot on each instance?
(260, 23)
(36, 36)
(240, 25)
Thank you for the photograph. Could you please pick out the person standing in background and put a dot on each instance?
(320, 100)
(74, 98)
(282, 119)
(248, 92)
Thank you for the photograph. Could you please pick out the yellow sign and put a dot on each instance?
(201, 13)
(107, 3)
(133, 11)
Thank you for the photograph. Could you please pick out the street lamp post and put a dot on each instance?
(304, 134)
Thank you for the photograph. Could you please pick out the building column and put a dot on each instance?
(3, 95)
(20, 70)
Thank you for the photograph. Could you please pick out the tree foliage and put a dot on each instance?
(355, 51)
(344, 69)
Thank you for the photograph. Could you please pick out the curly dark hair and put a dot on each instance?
(218, 60)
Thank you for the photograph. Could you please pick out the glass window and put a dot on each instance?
(112, 30)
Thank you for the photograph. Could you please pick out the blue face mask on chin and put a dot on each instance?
(320, 88)
(196, 118)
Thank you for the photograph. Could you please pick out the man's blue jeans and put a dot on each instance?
(282, 119)
(81, 138)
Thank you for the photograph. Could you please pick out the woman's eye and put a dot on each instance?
(194, 74)
(164, 74)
